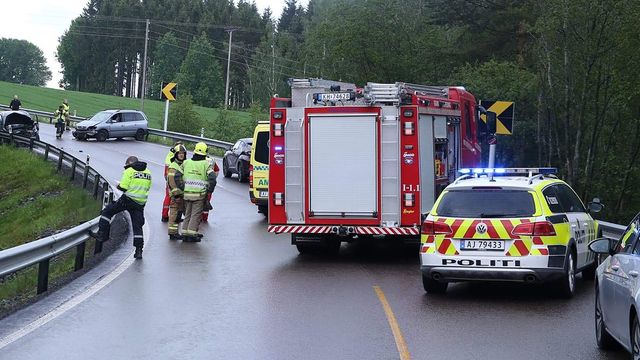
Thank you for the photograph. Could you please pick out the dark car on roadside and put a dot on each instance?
(20, 123)
(236, 160)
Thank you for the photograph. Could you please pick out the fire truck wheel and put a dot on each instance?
(434, 287)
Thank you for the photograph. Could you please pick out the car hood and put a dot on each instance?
(89, 122)
(18, 117)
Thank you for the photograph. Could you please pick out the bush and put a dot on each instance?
(182, 117)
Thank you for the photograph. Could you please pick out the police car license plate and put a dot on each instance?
(263, 194)
(489, 245)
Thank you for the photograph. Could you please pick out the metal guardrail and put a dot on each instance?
(224, 145)
(611, 230)
(43, 250)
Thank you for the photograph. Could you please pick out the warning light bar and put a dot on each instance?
(509, 171)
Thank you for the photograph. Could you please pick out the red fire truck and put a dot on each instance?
(349, 163)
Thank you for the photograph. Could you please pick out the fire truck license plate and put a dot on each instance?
(490, 245)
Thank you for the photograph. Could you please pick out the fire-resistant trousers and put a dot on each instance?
(205, 213)
(192, 216)
(136, 211)
(167, 199)
(176, 209)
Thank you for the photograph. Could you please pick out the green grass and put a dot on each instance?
(34, 200)
(87, 104)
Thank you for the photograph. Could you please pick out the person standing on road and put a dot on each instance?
(167, 197)
(65, 105)
(175, 184)
(59, 117)
(199, 181)
(207, 205)
(15, 103)
(135, 185)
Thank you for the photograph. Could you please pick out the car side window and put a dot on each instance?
(128, 117)
(569, 200)
(551, 196)
(139, 117)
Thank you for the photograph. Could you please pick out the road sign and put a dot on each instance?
(504, 115)
(169, 91)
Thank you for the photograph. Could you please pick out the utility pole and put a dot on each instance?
(230, 30)
(144, 66)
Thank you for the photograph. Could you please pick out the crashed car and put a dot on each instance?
(20, 123)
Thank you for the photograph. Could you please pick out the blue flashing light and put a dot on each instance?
(478, 171)
(278, 148)
(464, 171)
(500, 171)
(548, 170)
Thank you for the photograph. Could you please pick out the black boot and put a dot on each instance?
(175, 237)
(165, 219)
(138, 253)
(98, 236)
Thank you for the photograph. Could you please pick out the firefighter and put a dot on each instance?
(167, 197)
(207, 205)
(199, 181)
(135, 185)
(65, 105)
(175, 184)
(15, 103)
(59, 116)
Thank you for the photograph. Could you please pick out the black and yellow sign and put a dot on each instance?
(504, 115)
(169, 91)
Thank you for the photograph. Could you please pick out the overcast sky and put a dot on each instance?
(42, 22)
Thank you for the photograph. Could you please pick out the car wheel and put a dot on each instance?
(102, 135)
(140, 135)
(567, 285)
(242, 176)
(225, 169)
(264, 210)
(635, 338)
(589, 273)
(604, 340)
(434, 287)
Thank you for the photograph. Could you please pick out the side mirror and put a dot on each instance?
(595, 205)
(602, 246)
(491, 122)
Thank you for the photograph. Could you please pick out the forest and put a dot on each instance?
(569, 65)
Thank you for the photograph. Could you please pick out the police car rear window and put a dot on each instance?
(486, 204)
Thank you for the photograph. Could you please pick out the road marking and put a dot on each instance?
(395, 328)
(75, 300)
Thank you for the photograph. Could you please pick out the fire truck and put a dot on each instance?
(348, 162)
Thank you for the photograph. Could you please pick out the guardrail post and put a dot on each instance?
(60, 158)
(96, 185)
(46, 152)
(85, 176)
(43, 276)
(98, 248)
(31, 140)
(80, 256)
(73, 168)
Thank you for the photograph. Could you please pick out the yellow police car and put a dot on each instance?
(518, 224)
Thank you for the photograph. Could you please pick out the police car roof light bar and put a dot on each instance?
(509, 171)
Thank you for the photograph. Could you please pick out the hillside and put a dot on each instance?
(87, 104)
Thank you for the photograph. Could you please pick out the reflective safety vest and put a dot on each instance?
(167, 159)
(195, 178)
(136, 184)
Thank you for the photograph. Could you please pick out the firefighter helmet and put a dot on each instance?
(200, 149)
(130, 161)
(179, 149)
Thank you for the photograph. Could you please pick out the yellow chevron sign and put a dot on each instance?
(504, 115)
(169, 91)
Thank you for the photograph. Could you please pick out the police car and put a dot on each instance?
(518, 224)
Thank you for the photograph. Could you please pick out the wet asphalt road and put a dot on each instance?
(243, 293)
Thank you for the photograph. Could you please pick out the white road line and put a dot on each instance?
(74, 301)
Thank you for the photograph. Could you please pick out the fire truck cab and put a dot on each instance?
(348, 163)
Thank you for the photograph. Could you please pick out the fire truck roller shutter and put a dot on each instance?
(343, 166)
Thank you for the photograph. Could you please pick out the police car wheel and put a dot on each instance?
(590, 272)
(567, 285)
(604, 340)
(433, 287)
(635, 339)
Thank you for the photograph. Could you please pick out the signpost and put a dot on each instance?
(169, 93)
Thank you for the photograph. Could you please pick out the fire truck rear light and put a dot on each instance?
(408, 128)
(540, 228)
(430, 227)
(277, 128)
(278, 199)
(409, 200)
(277, 115)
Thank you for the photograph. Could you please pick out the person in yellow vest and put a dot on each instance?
(167, 197)
(175, 184)
(65, 105)
(199, 181)
(135, 185)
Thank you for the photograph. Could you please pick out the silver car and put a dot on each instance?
(113, 124)
(618, 290)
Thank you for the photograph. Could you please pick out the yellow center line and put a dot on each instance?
(395, 328)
